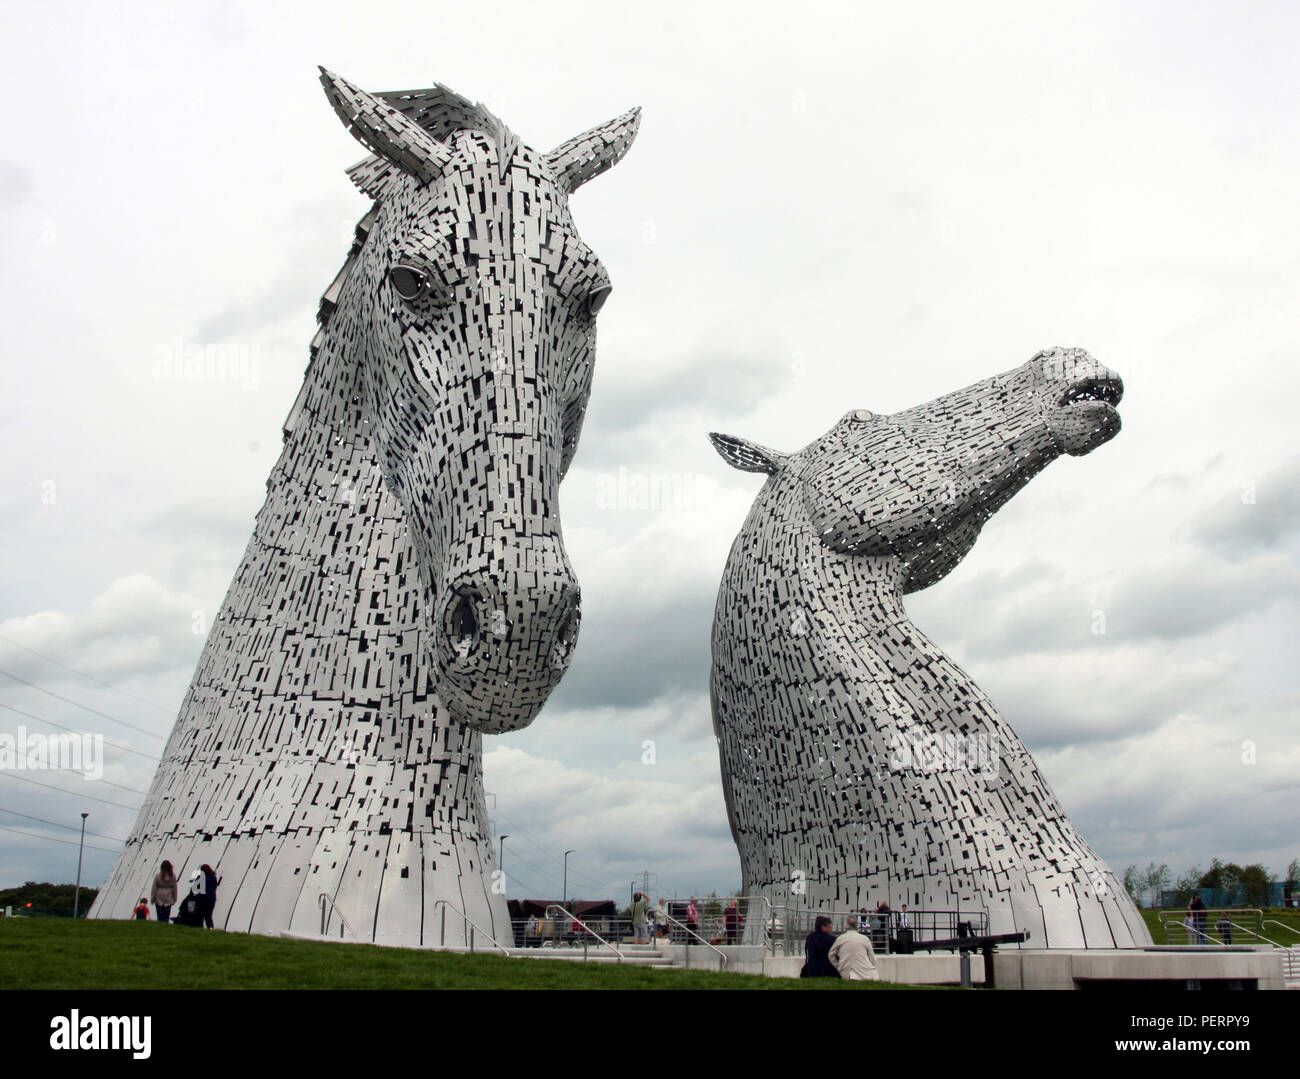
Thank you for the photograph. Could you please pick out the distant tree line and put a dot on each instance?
(46, 898)
(1249, 885)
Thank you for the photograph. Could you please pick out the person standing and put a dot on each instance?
(692, 920)
(163, 893)
(660, 916)
(1196, 910)
(880, 924)
(732, 920)
(853, 956)
(816, 951)
(210, 882)
(640, 918)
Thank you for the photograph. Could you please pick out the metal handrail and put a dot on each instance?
(328, 900)
(474, 926)
(722, 956)
(583, 925)
(1180, 918)
(920, 922)
(770, 918)
(1283, 925)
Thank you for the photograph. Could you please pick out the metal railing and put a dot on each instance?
(722, 956)
(582, 928)
(784, 927)
(1202, 930)
(328, 908)
(790, 926)
(468, 926)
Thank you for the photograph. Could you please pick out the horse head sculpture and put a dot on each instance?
(476, 334)
(858, 761)
(406, 588)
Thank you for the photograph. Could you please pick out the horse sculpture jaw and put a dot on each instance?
(1079, 398)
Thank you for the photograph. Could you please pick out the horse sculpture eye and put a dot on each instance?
(597, 300)
(409, 283)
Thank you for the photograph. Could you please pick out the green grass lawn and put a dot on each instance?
(58, 953)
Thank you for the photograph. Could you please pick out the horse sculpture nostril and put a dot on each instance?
(462, 622)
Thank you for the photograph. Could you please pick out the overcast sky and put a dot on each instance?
(827, 207)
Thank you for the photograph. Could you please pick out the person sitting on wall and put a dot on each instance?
(853, 956)
(816, 949)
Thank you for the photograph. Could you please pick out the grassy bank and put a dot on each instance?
(58, 953)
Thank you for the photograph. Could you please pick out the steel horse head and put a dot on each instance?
(476, 304)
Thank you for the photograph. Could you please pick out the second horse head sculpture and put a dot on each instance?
(860, 763)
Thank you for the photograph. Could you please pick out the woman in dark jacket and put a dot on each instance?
(210, 882)
(816, 949)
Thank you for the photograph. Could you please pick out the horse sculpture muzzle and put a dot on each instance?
(504, 641)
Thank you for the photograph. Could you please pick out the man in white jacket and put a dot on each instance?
(853, 956)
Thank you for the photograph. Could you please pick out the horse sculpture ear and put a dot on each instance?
(745, 455)
(591, 153)
(386, 131)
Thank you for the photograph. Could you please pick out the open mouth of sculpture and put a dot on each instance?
(1106, 390)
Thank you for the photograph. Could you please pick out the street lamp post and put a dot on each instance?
(501, 858)
(565, 901)
(76, 900)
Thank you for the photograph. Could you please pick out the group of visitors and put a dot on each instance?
(648, 921)
(654, 922)
(1197, 919)
(197, 906)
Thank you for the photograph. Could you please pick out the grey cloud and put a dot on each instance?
(631, 657)
(1060, 700)
(1237, 527)
(1175, 602)
(721, 387)
(1034, 609)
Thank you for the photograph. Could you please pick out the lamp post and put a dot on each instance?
(76, 900)
(501, 858)
(565, 900)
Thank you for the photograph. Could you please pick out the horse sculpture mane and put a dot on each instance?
(406, 587)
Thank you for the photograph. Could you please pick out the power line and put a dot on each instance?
(516, 856)
(73, 794)
(51, 839)
(42, 719)
(554, 857)
(78, 704)
(71, 827)
(83, 674)
(101, 779)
